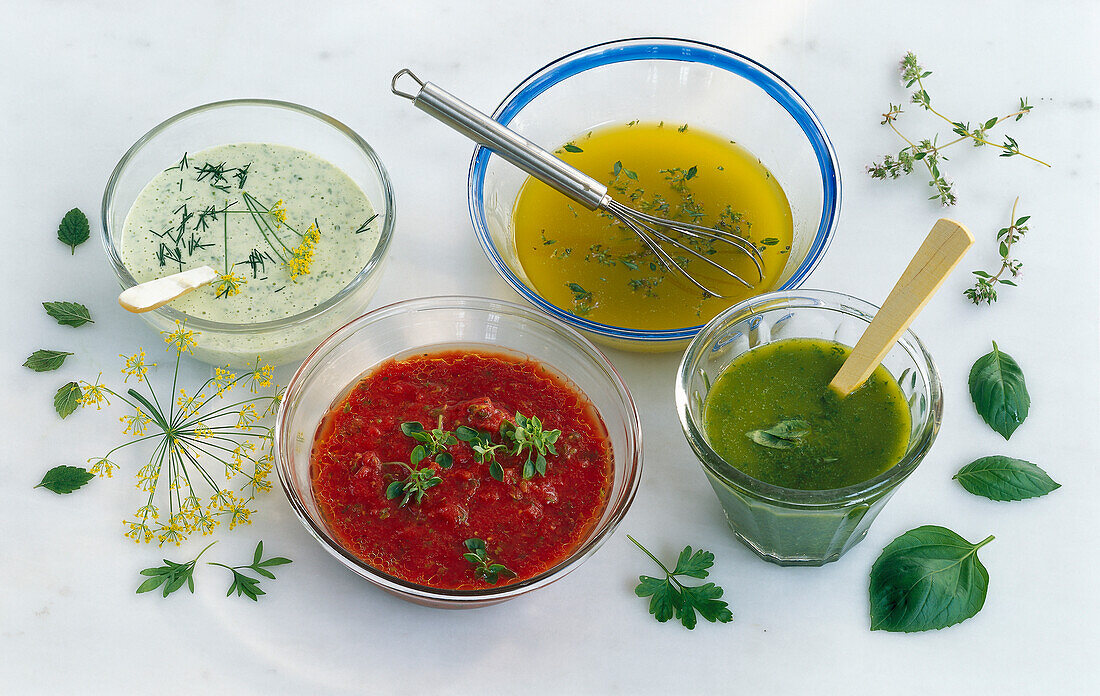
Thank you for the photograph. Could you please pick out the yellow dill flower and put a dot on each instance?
(170, 533)
(273, 403)
(247, 416)
(138, 531)
(228, 284)
(147, 476)
(182, 339)
(202, 432)
(94, 394)
(146, 511)
(190, 405)
(191, 505)
(278, 212)
(204, 523)
(301, 259)
(135, 424)
(135, 365)
(223, 380)
(102, 467)
(239, 514)
(260, 376)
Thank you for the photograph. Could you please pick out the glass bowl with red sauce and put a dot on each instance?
(515, 346)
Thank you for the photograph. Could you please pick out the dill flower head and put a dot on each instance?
(102, 467)
(135, 424)
(278, 212)
(94, 394)
(260, 376)
(301, 259)
(181, 339)
(228, 284)
(223, 380)
(135, 365)
(138, 531)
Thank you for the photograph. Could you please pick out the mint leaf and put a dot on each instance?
(46, 360)
(73, 229)
(998, 391)
(1005, 478)
(67, 399)
(68, 313)
(928, 578)
(65, 479)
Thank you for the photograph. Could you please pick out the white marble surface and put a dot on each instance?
(81, 80)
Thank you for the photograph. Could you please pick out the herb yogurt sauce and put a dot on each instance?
(246, 210)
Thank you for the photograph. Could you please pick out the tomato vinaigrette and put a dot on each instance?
(364, 448)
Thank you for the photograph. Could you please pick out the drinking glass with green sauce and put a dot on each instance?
(801, 472)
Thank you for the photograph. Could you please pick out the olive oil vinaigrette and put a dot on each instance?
(591, 265)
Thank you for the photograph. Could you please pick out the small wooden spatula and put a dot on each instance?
(154, 293)
(937, 257)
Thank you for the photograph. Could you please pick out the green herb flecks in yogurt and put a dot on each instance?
(284, 229)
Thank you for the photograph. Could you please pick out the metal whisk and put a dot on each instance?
(513, 147)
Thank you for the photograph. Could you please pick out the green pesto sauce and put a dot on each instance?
(850, 440)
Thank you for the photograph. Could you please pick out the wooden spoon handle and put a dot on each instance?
(154, 293)
(937, 257)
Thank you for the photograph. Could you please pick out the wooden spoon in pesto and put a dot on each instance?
(941, 251)
(149, 295)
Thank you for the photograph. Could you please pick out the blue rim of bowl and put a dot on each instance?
(659, 48)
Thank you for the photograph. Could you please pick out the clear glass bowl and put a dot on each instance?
(441, 323)
(658, 79)
(785, 525)
(267, 121)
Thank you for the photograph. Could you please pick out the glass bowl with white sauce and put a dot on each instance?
(292, 209)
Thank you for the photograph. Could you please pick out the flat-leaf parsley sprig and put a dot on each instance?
(985, 284)
(189, 432)
(929, 151)
(671, 598)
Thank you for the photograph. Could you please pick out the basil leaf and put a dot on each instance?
(570, 147)
(68, 313)
(999, 393)
(65, 479)
(1005, 478)
(67, 399)
(73, 229)
(46, 360)
(928, 578)
(785, 434)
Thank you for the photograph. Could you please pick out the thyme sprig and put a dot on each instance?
(414, 486)
(433, 443)
(928, 152)
(528, 435)
(485, 452)
(985, 284)
(484, 567)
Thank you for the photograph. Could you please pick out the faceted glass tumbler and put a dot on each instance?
(785, 525)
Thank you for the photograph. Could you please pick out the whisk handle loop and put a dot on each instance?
(505, 142)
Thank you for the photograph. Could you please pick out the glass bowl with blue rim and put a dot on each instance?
(676, 81)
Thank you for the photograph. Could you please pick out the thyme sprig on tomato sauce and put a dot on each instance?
(484, 568)
(433, 443)
(485, 452)
(414, 486)
(527, 434)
